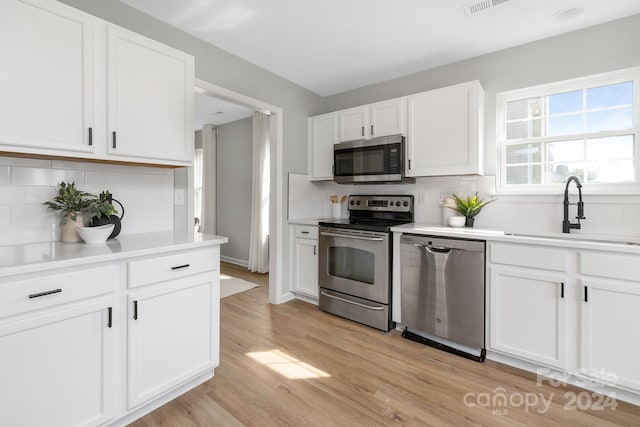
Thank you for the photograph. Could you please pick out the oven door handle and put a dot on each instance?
(351, 302)
(349, 236)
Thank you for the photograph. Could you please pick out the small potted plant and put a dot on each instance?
(469, 207)
(73, 205)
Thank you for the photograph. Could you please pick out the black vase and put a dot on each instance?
(469, 222)
(113, 219)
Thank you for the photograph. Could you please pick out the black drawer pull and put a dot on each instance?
(110, 317)
(178, 267)
(135, 310)
(41, 294)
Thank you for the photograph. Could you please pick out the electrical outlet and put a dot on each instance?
(422, 198)
(178, 197)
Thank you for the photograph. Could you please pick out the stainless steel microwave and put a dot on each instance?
(370, 161)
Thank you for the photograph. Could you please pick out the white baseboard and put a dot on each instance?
(235, 261)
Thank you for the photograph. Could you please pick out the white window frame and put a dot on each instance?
(610, 78)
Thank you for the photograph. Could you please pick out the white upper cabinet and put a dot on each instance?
(46, 77)
(379, 119)
(69, 80)
(388, 118)
(150, 98)
(444, 135)
(323, 134)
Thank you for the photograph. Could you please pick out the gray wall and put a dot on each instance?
(598, 49)
(233, 186)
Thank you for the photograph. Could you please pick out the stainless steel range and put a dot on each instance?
(354, 270)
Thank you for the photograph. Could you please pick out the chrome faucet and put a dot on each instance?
(566, 225)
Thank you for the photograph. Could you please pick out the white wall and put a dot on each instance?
(233, 188)
(146, 193)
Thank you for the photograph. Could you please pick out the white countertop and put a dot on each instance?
(574, 240)
(307, 221)
(19, 259)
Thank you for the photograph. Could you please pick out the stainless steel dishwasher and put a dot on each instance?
(443, 293)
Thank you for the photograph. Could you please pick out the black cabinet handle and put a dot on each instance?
(41, 294)
(586, 294)
(135, 310)
(178, 267)
(109, 317)
(90, 136)
(362, 130)
(371, 129)
(562, 290)
(113, 134)
(409, 163)
(304, 232)
(315, 250)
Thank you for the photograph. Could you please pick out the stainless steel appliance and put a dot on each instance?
(443, 293)
(354, 259)
(376, 160)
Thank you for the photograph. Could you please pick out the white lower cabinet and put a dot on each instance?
(57, 367)
(610, 312)
(171, 336)
(305, 260)
(529, 315)
(97, 346)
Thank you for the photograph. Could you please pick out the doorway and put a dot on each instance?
(276, 202)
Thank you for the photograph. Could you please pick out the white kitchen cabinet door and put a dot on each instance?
(610, 339)
(323, 134)
(46, 77)
(150, 99)
(306, 267)
(172, 335)
(388, 118)
(57, 369)
(529, 315)
(444, 135)
(354, 123)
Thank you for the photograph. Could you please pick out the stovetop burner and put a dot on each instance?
(375, 213)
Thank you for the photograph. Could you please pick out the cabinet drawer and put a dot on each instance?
(624, 267)
(173, 266)
(22, 296)
(528, 256)
(306, 232)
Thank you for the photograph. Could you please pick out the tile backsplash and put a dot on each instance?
(613, 215)
(146, 193)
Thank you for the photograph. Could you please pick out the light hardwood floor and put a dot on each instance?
(334, 372)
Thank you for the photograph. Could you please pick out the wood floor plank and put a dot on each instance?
(374, 378)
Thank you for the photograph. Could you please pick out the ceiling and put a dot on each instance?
(215, 111)
(330, 46)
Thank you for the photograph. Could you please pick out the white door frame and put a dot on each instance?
(276, 199)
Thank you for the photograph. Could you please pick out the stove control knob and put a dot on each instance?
(358, 203)
(405, 204)
(397, 203)
(351, 203)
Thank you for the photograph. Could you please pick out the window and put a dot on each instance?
(586, 127)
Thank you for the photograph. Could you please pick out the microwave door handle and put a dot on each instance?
(347, 236)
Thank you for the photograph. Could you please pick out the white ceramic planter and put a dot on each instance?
(70, 229)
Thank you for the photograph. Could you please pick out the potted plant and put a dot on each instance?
(469, 207)
(73, 205)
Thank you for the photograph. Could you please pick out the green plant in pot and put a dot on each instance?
(73, 205)
(469, 207)
(103, 212)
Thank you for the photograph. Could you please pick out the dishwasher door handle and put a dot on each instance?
(432, 249)
(348, 236)
(351, 302)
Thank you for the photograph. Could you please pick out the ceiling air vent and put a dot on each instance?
(481, 6)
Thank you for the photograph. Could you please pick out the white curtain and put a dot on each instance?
(259, 236)
(208, 214)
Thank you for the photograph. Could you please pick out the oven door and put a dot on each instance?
(355, 262)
